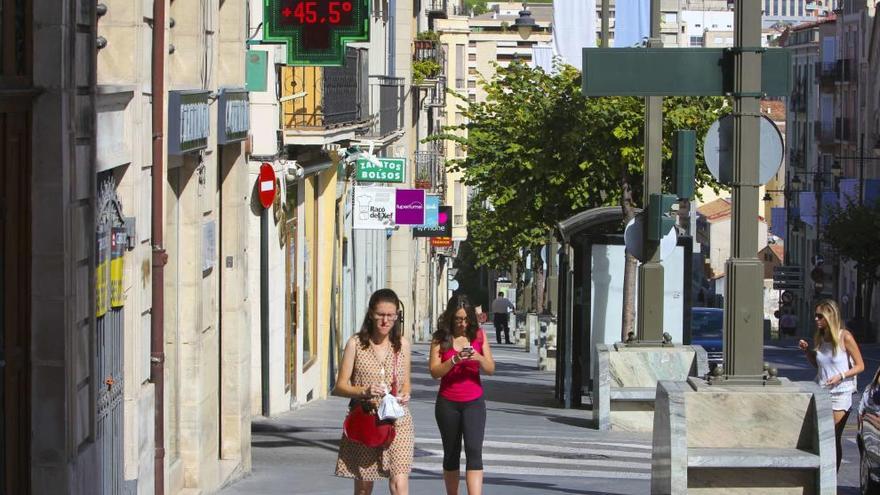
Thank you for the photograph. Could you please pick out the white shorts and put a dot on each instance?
(841, 401)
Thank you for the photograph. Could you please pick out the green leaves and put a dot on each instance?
(855, 232)
(539, 151)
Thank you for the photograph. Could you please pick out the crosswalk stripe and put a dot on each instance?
(538, 459)
(526, 471)
(550, 448)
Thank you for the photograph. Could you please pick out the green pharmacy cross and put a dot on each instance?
(316, 31)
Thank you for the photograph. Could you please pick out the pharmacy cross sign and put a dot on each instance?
(316, 31)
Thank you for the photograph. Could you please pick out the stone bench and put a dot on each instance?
(743, 439)
(752, 458)
(633, 394)
(625, 381)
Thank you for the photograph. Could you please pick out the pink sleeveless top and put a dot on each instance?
(462, 383)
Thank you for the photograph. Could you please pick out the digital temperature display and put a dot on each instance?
(316, 31)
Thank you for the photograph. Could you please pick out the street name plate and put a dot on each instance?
(676, 72)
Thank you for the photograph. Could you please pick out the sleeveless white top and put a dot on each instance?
(830, 364)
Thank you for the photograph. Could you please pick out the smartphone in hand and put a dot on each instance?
(469, 350)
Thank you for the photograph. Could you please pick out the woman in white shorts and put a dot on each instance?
(836, 355)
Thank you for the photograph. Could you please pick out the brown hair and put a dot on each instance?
(380, 296)
(445, 324)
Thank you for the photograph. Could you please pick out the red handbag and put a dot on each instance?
(362, 424)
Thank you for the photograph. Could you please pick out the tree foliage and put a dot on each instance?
(539, 151)
(854, 232)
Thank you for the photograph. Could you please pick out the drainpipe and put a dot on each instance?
(157, 317)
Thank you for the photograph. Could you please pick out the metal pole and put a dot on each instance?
(264, 310)
(605, 14)
(743, 305)
(568, 258)
(160, 257)
(650, 292)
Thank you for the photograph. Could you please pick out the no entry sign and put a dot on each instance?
(266, 183)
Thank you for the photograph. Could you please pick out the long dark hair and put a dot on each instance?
(446, 322)
(380, 296)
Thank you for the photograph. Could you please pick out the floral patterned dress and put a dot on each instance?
(366, 463)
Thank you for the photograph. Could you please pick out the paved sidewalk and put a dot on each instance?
(531, 447)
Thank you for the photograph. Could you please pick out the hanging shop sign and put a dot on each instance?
(316, 31)
(118, 243)
(443, 227)
(441, 242)
(410, 207)
(381, 169)
(188, 121)
(374, 207)
(233, 115)
(432, 211)
(102, 273)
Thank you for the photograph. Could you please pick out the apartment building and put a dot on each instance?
(833, 157)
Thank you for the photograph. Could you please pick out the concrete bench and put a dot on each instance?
(633, 394)
(731, 439)
(752, 458)
(625, 381)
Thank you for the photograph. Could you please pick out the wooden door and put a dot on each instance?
(14, 302)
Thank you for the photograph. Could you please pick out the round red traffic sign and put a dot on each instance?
(266, 184)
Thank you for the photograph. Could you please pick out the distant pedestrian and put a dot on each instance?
(500, 306)
(459, 352)
(838, 359)
(788, 324)
(375, 360)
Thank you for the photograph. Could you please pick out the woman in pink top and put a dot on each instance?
(459, 351)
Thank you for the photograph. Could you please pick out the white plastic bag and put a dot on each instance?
(390, 408)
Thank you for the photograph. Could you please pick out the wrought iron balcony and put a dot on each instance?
(437, 7)
(323, 100)
(843, 129)
(838, 71)
(430, 168)
(385, 112)
(826, 73)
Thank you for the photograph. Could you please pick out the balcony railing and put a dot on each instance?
(315, 98)
(843, 129)
(430, 169)
(386, 106)
(826, 73)
(824, 132)
(839, 71)
(443, 8)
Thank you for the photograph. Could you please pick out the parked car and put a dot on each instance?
(707, 330)
(868, 440)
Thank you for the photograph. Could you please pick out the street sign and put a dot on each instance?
(787, 285)
(381, 169)
(790, 271)
(658, 72)
(718, 150)
(316, 32)
(266, 184)
(790, 277)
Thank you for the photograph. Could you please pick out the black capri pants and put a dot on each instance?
(458, 420)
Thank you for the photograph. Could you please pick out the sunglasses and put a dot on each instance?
(819, 316)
